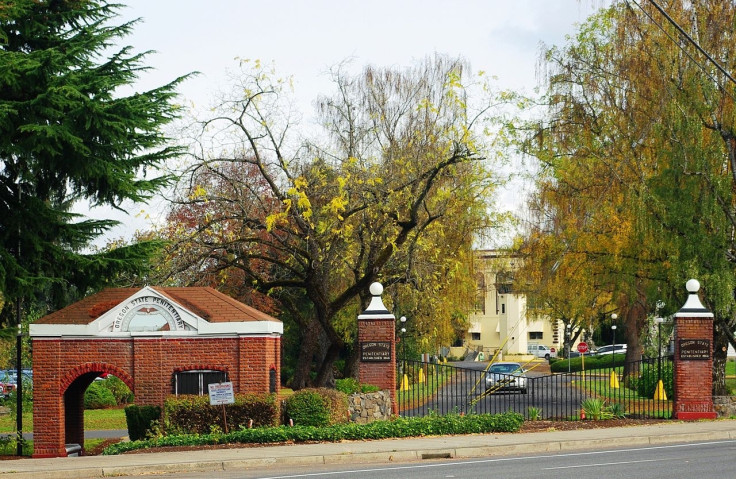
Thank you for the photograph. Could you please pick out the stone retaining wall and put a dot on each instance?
(369, 407)
(725, 406)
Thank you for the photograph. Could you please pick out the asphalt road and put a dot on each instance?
(686, 461)
(465, 392)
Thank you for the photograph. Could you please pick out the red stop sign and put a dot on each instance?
(582, 347)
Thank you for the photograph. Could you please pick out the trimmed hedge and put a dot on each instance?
(317, 407)
(397, 428)
(189, 414)
(140, 420)
(591, 362)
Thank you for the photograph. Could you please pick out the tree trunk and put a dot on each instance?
(352, 365)
(325, 374)
(634, 321)
(307, 349)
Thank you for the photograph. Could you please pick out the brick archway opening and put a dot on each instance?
(74, 385)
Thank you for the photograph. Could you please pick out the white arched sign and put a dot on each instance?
(148, 313)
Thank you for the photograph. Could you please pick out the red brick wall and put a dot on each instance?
(381, 374)
(63, 368)
(693, 379)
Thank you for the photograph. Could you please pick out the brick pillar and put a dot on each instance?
(693, 362)
(48, 405)
(377, 343)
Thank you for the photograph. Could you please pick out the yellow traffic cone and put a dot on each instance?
(421, 375)
(404, 383)
(613, 382)
(659, 392)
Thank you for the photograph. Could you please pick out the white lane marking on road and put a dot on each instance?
(599, 464)
(500, 459)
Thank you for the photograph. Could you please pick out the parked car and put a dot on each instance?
(7, 383)
(541, 351)
(506, 377)
(610, 348)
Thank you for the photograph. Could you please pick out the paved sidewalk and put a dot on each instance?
(353, 452)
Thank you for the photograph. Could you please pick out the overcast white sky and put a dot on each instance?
(304, 38)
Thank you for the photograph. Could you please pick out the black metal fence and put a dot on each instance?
(462, 388)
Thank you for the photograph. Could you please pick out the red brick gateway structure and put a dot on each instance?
(159, 341)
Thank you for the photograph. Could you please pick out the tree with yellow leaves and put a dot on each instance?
(394, 189)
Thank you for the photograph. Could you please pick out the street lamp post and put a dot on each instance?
(614, 316)
(659, 347)
(568, 342)
(404, 376)
(659, 320)
(403, 343)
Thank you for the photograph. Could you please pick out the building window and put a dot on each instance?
(503, 308)
(504, 282)
(475, 336)
(536, 334)
(196, 381)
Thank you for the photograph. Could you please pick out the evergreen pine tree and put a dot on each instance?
(69, 133)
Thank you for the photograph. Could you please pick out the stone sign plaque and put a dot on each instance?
(375, 351)
(694, 349)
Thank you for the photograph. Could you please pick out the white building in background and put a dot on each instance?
(502, 320)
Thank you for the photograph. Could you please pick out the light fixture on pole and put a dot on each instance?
(568, 343)
(659, 322)
(614, 316)
(405, 377)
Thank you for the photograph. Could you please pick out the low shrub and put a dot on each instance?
(141, 420)
(189, 414)
(595, 408)
(397, 428)
(347, 385)
(98, 396)
(646, 384)
(308, 407)
(351, 386)
(337, 405)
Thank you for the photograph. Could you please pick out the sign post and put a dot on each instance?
(221, 394)
(582, 349)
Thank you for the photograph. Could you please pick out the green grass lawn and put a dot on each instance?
(93, 419)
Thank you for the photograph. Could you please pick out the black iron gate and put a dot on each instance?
(462, 388)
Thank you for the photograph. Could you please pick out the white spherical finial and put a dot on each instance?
(693, 308)
(376, 309)
(692, 286)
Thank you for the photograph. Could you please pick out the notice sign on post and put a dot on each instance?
(221, 393)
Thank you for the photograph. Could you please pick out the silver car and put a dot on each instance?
(506, 377)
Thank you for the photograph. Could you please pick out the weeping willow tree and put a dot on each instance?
(636, 156)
